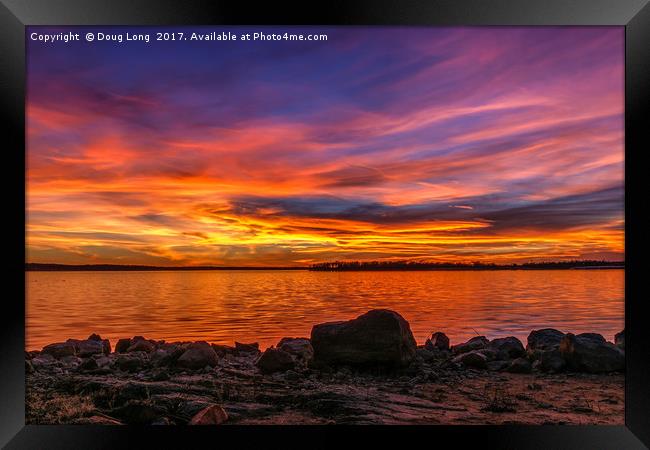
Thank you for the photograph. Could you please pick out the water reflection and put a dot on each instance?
(264, 306)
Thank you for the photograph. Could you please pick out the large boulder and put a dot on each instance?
(59, 349)
(507, 347)
(476, 343)
(544, 340)
(550, 361)
(275, 360)
(619, 340)
(378, 337)
(437, 341)
(197, 356)
(473, 359)
(300, 348)
(591, 353)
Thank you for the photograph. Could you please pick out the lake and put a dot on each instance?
(264, 306)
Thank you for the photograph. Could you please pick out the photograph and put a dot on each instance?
(310, 225)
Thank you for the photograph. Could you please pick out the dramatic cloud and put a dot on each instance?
(454, 144)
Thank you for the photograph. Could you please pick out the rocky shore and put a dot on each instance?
(364, 371)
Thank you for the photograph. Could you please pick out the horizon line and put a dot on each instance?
(34, 266)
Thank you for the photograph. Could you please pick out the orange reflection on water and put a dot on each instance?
(264, 306)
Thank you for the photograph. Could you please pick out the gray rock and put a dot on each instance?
(166, 355)
(105, 342)
(543, 340)
(473, 359)
(89, 347)
(275, 360)
(507, 347)
(550, 361)
(590, 354)
(437, 341)
(378, 338)
(476, 343)
(59, 349)
(491, 354)
(299, 348)
(197, 356)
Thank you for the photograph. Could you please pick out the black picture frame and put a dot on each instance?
(634, 15)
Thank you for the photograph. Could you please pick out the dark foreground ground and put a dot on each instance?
(336, 398)
(61, 390)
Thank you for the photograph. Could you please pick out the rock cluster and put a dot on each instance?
(378, 340)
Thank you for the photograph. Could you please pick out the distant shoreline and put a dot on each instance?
(37, 267)
(40, 267)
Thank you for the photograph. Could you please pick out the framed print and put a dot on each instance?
(253, 223)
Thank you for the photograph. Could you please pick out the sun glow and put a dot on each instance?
(457, 150)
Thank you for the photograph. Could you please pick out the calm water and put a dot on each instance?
(264, 306)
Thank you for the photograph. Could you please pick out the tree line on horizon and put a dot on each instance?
(419, 265)
(340, 266)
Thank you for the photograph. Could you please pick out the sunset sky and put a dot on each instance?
(442, 144)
